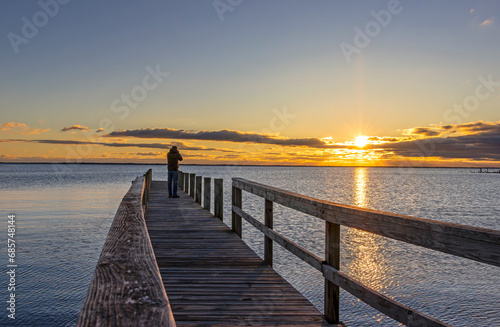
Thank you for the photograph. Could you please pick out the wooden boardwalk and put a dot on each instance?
(212, 278)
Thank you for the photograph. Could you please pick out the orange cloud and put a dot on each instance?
(488, 22)
(20, 128)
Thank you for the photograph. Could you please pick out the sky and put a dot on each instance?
(335, 83)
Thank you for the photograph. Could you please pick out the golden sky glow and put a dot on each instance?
(242, 88)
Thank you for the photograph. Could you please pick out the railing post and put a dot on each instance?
(332, 257)
(147, 185)
(268, 243)
(192, 178)
(218, 198)
(186, 183)
(181, 180)
(206, 193)
(236, 219)
(198, 189)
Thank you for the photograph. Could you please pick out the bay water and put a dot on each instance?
(63, 214)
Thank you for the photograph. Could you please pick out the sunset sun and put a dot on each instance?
(361, 141)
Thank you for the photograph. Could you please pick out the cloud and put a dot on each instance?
(20, 128)
(99, 130)
(75, 128)
(163, 146)
(424, 131)
(222, 136)
(473, 141)
(149, 154)
(446, 130)
(488, 22)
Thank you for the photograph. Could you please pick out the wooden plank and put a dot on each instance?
(236, 219)
(268, 242)
(332, 258)
(382, 303)
(192, 181)
(294, 248)
(212, 277)
(479, 244)
(206, 193)
(219, 198)
(197, 197)
(127, 289)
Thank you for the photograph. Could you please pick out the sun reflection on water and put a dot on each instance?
(360, 183)
(365, 258)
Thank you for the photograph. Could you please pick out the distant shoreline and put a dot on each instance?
(225, 165)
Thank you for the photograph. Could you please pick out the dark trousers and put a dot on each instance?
(173, 175)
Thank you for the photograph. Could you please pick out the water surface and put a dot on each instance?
(64, 213)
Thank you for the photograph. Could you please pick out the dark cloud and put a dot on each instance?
(483, 145)
(425, 131)
(121, 145)
(75, 128)
(222, 136)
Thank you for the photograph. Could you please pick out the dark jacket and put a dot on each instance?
(173, 158)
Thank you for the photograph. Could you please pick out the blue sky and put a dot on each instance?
(231, 73)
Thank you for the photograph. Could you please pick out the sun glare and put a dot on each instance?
(361, 141)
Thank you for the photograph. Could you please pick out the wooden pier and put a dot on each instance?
(169, 262)
(211, 276)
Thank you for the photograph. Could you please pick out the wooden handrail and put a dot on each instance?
(127, 289)
(474, 243)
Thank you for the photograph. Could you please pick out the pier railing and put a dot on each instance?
(192, 185)
(477, 244)
(127, 289)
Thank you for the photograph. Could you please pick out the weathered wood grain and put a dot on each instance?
(294, 248)
(236, 219)
(212, 277)
(218, 198)
(192, 181)
(181, 180)
(332, 258)
(479, 244)
(207, 193)
(268, 242)
(382, 303)
(198, 189)
(127, 289)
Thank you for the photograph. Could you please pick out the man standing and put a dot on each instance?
(173, 158)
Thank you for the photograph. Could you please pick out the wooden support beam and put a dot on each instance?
(268, 243)
(236, 219)
(197, 197)
(207, 193)
(332, 258)
(219, 198)
(192, 180)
